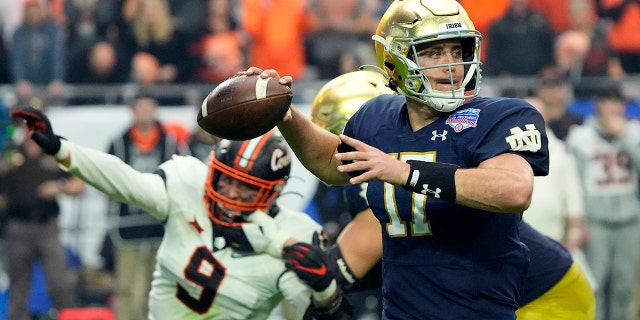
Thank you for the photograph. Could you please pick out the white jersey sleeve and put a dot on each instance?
(118, 180)
(302, 227)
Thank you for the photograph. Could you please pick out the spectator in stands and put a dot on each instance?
(521, 42)
(29, 186)
(557, 207)
(277, 29)
(555, 93)
(341, 39)
(623, 33)
(608, 158)
(188, 15)
(135, 234)
(95, 53)
(38, 54)
(557, 204)
(101, 64)
(219, 49)
(5, 76)
(89, 18)
(154, 33)
(145, 70)
(555, 11)
(201, 143)
(582, 52)
(11, 13)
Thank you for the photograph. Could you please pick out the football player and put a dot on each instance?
(206, 266)
(555, 286)
(449, 173)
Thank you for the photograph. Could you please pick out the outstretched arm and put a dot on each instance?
(314, 146)
(103, 171)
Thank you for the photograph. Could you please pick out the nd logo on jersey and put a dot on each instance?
(524, 140)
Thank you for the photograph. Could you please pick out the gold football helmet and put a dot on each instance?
(341, 97)
(408, 24)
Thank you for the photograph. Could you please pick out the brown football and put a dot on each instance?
(244, 107)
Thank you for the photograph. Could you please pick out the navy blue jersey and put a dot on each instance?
(442, 260)
(550, 261)
(356, 195)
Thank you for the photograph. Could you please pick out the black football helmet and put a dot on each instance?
(263, 164)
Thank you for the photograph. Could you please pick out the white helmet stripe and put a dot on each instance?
(249, 151)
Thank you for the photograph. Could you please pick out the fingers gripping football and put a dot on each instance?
(39, 129)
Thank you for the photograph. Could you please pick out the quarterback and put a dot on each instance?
(449, 173)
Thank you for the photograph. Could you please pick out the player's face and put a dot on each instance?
(235, 189)
(445, 52)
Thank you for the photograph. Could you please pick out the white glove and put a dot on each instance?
(263, 234)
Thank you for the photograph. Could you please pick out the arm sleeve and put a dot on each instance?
(629, 141)
(112, 176)
(296, 294)
(572, 187)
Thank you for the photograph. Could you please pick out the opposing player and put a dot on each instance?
(206, 267)
(555, 286)
(449, 174)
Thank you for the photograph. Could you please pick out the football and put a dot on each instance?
(244, 107)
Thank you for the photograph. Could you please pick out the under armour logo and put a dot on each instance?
(435, 193)
(442, 136)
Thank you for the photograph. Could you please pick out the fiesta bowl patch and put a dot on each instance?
(463, 119)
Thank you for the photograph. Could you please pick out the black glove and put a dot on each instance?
(310, 263)
(39, 129)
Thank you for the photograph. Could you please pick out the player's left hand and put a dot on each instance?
(372, 162)
(263, 234)
(310, 264)
(39, 129)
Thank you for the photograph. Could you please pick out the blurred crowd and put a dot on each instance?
(49, 43)
(570, 46)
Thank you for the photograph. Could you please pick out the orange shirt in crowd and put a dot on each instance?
(556, 12)
(277, 29)
(483, 13)
(624, 35)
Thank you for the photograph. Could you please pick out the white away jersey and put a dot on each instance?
(191, 281)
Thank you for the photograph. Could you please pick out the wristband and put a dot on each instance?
(326, 293)
(344, 275)
(63, 152)
(433, 179)
(338, 309)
